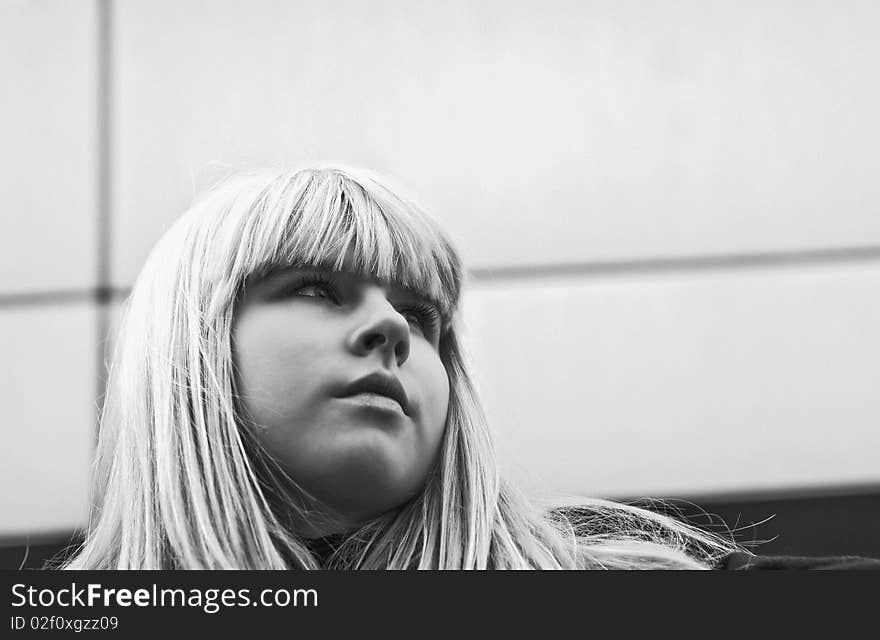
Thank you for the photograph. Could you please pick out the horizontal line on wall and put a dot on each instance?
(682, 264)
(75, 296)
(28, 299)
(484, 275)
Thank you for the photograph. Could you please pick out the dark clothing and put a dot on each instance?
(324, 547)
(745, 562)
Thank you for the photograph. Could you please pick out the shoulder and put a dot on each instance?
(739, 561)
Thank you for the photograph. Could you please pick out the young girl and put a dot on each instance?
(288, 390)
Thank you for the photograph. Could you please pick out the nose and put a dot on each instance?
(380, 327)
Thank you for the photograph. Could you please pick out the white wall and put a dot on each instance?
(569, 134)
(686, 383)
(47, 386)
(571, 131)
(48, 146)
(48, 164)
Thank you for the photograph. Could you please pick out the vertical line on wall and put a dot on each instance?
(104, 111)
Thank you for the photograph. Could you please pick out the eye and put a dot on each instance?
(425, 316)
(314, 286)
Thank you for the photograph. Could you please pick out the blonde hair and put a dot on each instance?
(179, 479)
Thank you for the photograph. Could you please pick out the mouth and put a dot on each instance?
(376, 401)
(380, 390)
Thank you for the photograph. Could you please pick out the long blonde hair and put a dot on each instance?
(179, 479)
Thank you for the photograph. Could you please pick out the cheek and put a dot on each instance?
(272, 380)
(436, 398)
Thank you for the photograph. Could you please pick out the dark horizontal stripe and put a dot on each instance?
(803, 526)
(38, 298)
(76, 296)
(684, 264)
(32, 552)
(53, 537)
(781, 493)
(808, 525)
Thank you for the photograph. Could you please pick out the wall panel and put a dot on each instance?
(540, 132)
(684, 384)
(48, 120)
(47, 389)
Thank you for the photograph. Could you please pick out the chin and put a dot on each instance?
(362, 499)
(360, 478)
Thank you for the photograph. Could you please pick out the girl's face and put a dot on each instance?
(319, 356)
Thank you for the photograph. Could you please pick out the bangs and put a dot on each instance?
(327, 219)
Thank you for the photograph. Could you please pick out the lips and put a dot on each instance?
(381, 384)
